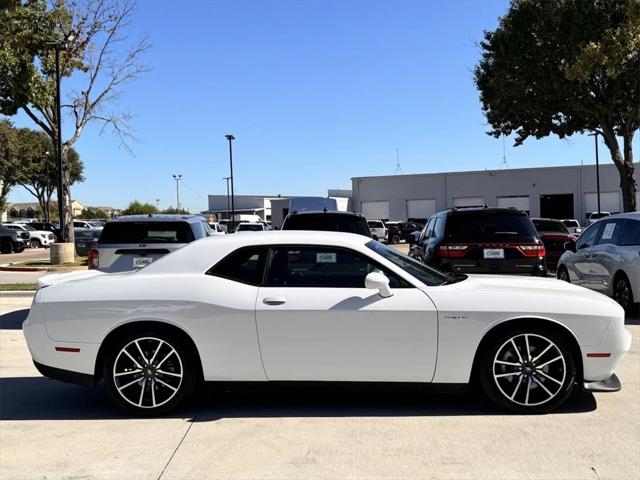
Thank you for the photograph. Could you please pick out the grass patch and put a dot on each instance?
(79, 262)
(16, 287)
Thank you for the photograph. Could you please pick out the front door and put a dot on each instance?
(317, 322)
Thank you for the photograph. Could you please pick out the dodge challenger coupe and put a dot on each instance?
(320, 306)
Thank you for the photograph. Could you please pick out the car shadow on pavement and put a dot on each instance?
(38, 398)
(13, 320)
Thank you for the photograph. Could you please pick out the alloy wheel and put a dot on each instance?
(148, 372)
(563, 275)
(621, 293)
(529, 369)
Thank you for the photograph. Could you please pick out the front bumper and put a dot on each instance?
(611, 384)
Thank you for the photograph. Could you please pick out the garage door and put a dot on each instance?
(519, 202)
(420, 209)
(468, 202)
(609, 202)
(375, 210)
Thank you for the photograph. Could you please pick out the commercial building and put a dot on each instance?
(553, 192)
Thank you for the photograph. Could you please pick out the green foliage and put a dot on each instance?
(10, 165)
(565, 67)
(137, 208)
(175, 211)
(91, 213)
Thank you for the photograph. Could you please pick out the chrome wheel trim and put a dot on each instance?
(138, 375)
(529, 369)
(621, 292)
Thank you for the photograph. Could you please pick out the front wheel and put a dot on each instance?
(395, 239)
(527, 371)
(149, 373)
(35, 243)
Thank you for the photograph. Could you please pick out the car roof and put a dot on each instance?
(157, 217)
(327, 212)
(538, 219)
(630, 215)
(200, 255)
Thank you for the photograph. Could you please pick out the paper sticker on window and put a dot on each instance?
(608, 231)
(326, 258)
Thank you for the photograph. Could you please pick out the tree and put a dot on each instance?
(39, 172)
(10, 165)
(565, 67)
(137, 208)
(96, 51)
(90, 213)
(175, 211)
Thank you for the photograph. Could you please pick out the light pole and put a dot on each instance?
(595, 136)
(177, 179)
(233, 207)
(158, 203)
(227, 179)
(57, 45)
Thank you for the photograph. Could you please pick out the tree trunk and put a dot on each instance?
(624, 164)
(66, 223)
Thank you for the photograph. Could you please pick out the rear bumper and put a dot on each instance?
(611, 384)
(66, 376)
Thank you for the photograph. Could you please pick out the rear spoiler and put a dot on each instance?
(57, 278)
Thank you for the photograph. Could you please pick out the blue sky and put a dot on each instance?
(315, 92)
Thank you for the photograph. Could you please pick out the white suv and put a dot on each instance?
(37, 238)
(606, 258)
(378, 229)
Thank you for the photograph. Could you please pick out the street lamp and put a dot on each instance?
(227, 179)
(233, 207)
(595, 136)
(177, 179)
(57, 45)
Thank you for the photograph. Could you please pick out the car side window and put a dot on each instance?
(611, 230)
(245, 265)
(630, 235)
(426, 230)
(588, 238)
(322, 267)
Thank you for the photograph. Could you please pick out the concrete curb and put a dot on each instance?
(9, 268)
(17, 293)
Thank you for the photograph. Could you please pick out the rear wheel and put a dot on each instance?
(622, 292)
(563, 274)
(528, 371)
(395, 239)
(149, 373)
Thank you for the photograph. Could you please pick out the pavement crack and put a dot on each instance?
(191, 421)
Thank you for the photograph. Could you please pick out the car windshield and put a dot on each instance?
(490, 226)
(328, 222)
(571, 223)
(550, 226)
(31, 229)
(146, 232)
(427, 275)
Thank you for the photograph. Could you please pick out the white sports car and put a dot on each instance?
(320, 306)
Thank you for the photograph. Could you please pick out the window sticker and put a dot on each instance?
(326, 258)
(608, 231)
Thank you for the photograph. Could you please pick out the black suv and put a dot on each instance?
(12, 241)
(327, 221)
(481, 240)
(398, 231)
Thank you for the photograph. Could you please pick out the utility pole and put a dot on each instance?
(228, 206)
(595, 136)
(233, 207)
(177, 179)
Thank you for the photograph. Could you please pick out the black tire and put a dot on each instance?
(164, 389)
(563, 274)
(6, 247)
(19, 249)
(622, 292)
(541, 395)
(395, 239)
(35, 243)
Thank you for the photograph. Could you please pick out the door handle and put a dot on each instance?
(274, 300)
(592, 255)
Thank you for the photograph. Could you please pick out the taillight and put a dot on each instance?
(452, 250)
(93, 259)
(532, 250)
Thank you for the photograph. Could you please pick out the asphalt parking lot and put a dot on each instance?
(54, 430)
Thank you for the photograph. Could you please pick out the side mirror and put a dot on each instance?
(378, 281)
(570, 246)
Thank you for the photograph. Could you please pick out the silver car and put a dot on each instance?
(133, 241)
(606, 258)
